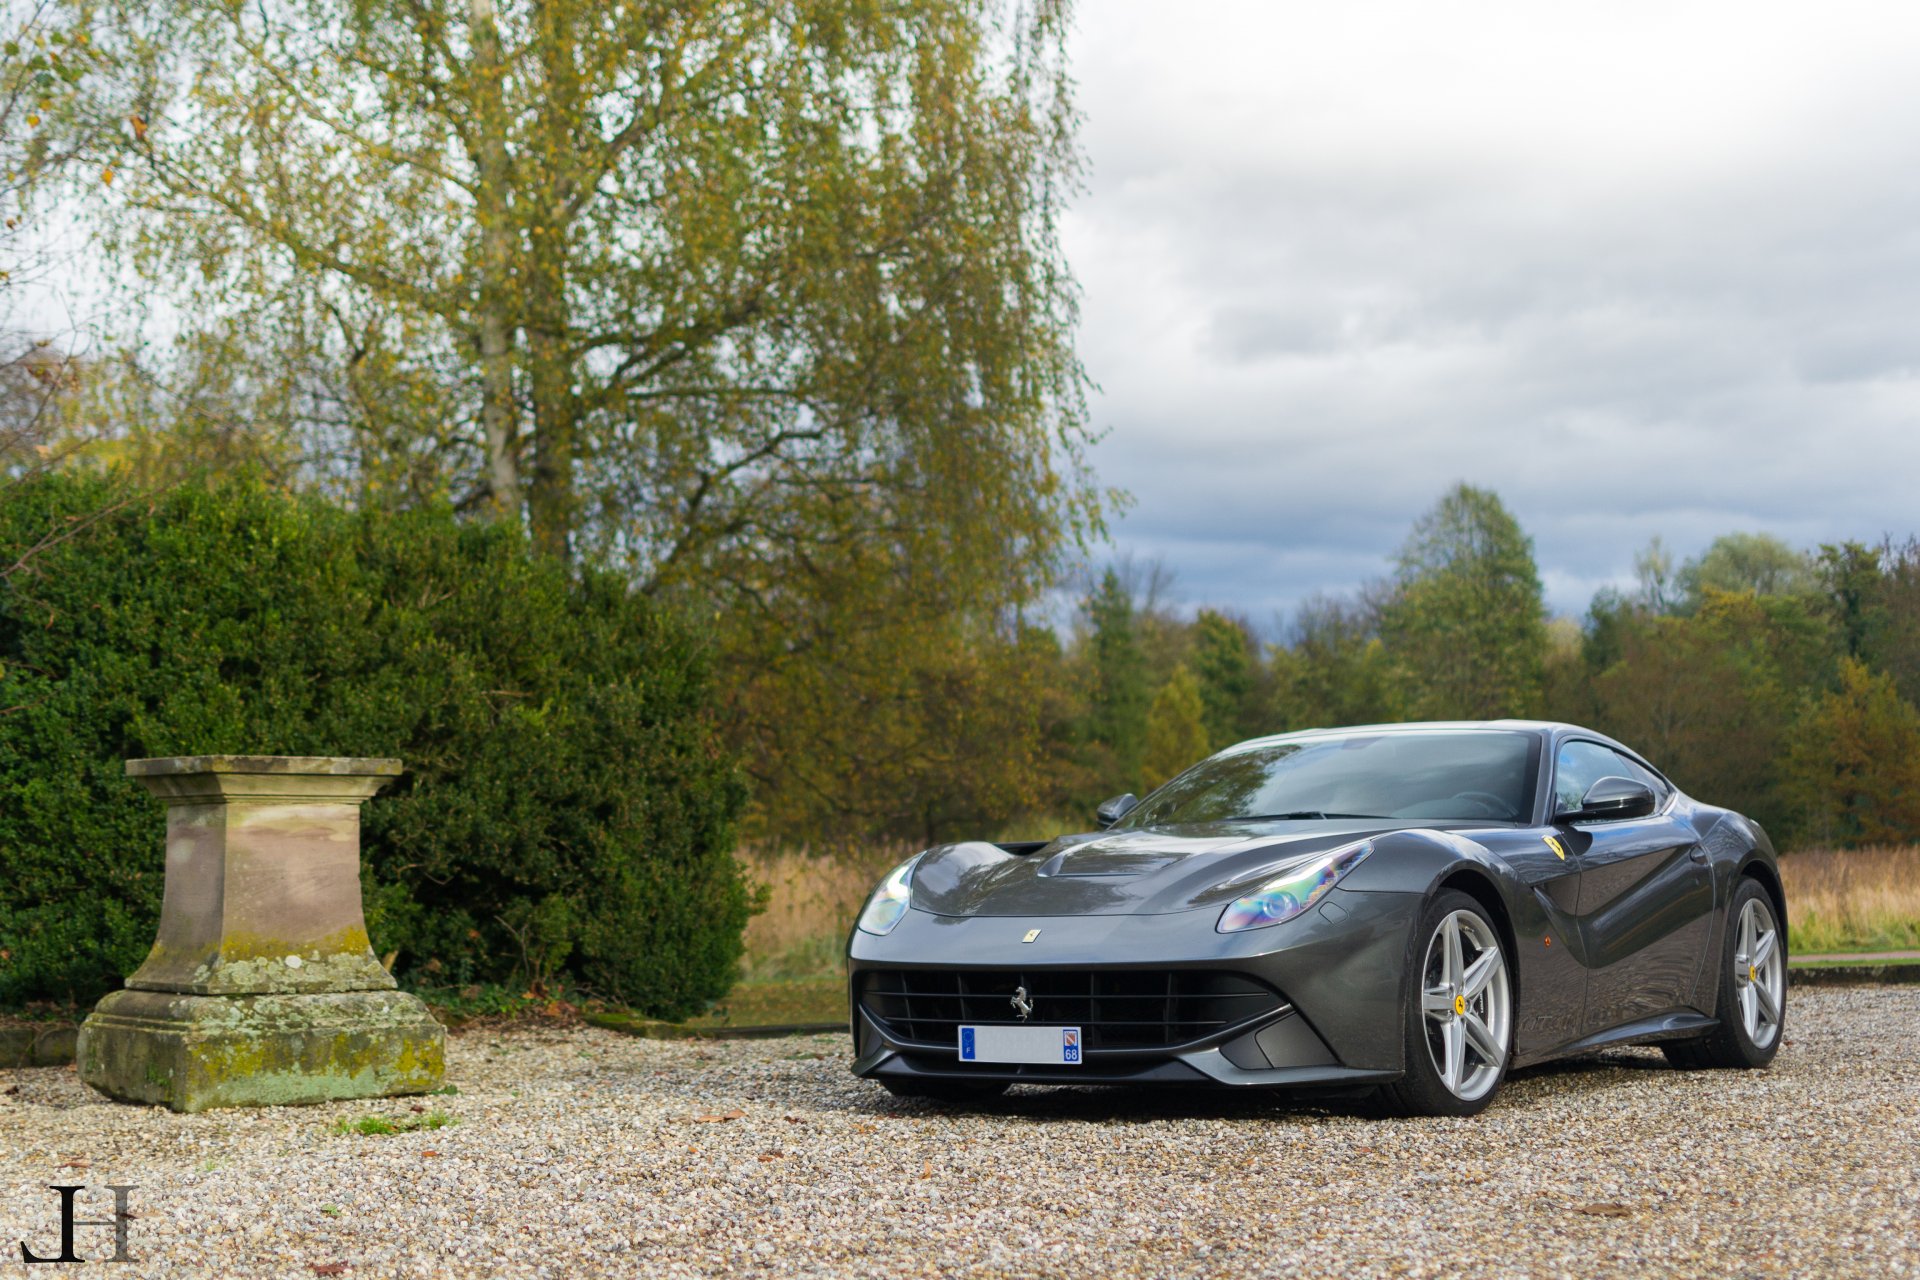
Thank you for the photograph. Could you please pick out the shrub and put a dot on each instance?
(567, 810)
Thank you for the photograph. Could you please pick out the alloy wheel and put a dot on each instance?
(1759, 973)
(1468, 1005)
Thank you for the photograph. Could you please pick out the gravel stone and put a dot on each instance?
(583, 1153)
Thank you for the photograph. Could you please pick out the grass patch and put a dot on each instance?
(1853, 899)
(383, 1126)
(1846, 960)
(778, 1003)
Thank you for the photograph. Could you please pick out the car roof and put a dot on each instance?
(1407, 726)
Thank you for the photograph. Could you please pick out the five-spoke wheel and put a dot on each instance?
(1759, 972)
(1467, 1003)
(1460, 1025)
(1752, 999)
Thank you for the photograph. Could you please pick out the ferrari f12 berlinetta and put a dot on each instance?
(1413, 908)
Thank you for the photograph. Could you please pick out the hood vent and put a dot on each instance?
(1097, 863)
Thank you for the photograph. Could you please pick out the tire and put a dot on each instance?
(1752, 995)
(1459, 1014)
(949, 1091)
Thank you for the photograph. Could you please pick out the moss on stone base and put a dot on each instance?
(190, 1052)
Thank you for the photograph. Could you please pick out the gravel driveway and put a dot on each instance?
(586, 1153)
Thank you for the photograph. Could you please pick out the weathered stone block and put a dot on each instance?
(191, 1052)
(261, 986)
(263, 875)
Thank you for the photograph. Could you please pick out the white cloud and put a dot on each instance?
(1642, 268)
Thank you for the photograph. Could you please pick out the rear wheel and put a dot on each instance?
(1459, 1015)
(1753, 990)
(954, 1091)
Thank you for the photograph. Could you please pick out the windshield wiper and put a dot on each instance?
(1302, 815)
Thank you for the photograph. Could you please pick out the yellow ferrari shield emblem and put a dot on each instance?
(1460, 1006)
(1553, 843)
(1031, 935)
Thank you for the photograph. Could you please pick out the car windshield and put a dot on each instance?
(1446, 774)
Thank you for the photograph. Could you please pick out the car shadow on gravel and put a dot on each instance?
(1110, 1103)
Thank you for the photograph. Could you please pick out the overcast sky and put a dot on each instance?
(1643, 268)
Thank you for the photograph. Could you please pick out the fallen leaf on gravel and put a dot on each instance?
(416, 1108)
(329, 1268)
(719, 1119)
(425, 1154)
(926, 1170)
(1604, 1210)
(773, 1155)
(81, 1163)
(790, 1119)
(863, 1128)
(14, 1088)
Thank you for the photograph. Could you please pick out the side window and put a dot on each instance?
(1581, 764)
(1578, 766)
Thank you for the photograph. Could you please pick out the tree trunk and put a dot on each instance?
(551, 499)
(498, 411)
(547, 189)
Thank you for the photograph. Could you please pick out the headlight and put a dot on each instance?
(889, 901)
(1287, 895)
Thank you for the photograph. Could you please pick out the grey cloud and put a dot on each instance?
(1302, 341)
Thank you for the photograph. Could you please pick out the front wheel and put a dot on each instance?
(1752, 974)
(1459, 1015)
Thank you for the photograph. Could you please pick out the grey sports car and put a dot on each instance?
(1411, 908)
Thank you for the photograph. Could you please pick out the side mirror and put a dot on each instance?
(1612, 799)
(1115, 809)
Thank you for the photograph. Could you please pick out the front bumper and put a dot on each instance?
(1339, 970)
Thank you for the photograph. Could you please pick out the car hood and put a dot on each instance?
(1145, 872)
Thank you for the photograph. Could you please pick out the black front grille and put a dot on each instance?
(1115, 1009)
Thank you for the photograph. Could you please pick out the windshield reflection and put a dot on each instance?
(1468, 775)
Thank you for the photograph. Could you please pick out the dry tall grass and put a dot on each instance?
(812, 901)
(1853, 899)
(813, 897)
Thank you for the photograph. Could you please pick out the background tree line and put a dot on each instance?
(1777, 681)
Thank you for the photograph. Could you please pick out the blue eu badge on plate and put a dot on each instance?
(1070, 1044)
(966, 1044)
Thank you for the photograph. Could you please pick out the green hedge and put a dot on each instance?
(568, 806)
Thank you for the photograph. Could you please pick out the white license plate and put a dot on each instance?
(1054, 1046)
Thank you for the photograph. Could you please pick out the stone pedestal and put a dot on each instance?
(261, 987)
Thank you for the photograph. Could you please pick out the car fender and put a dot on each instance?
(1424, 861)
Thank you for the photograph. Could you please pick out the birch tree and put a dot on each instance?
(733, 289)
